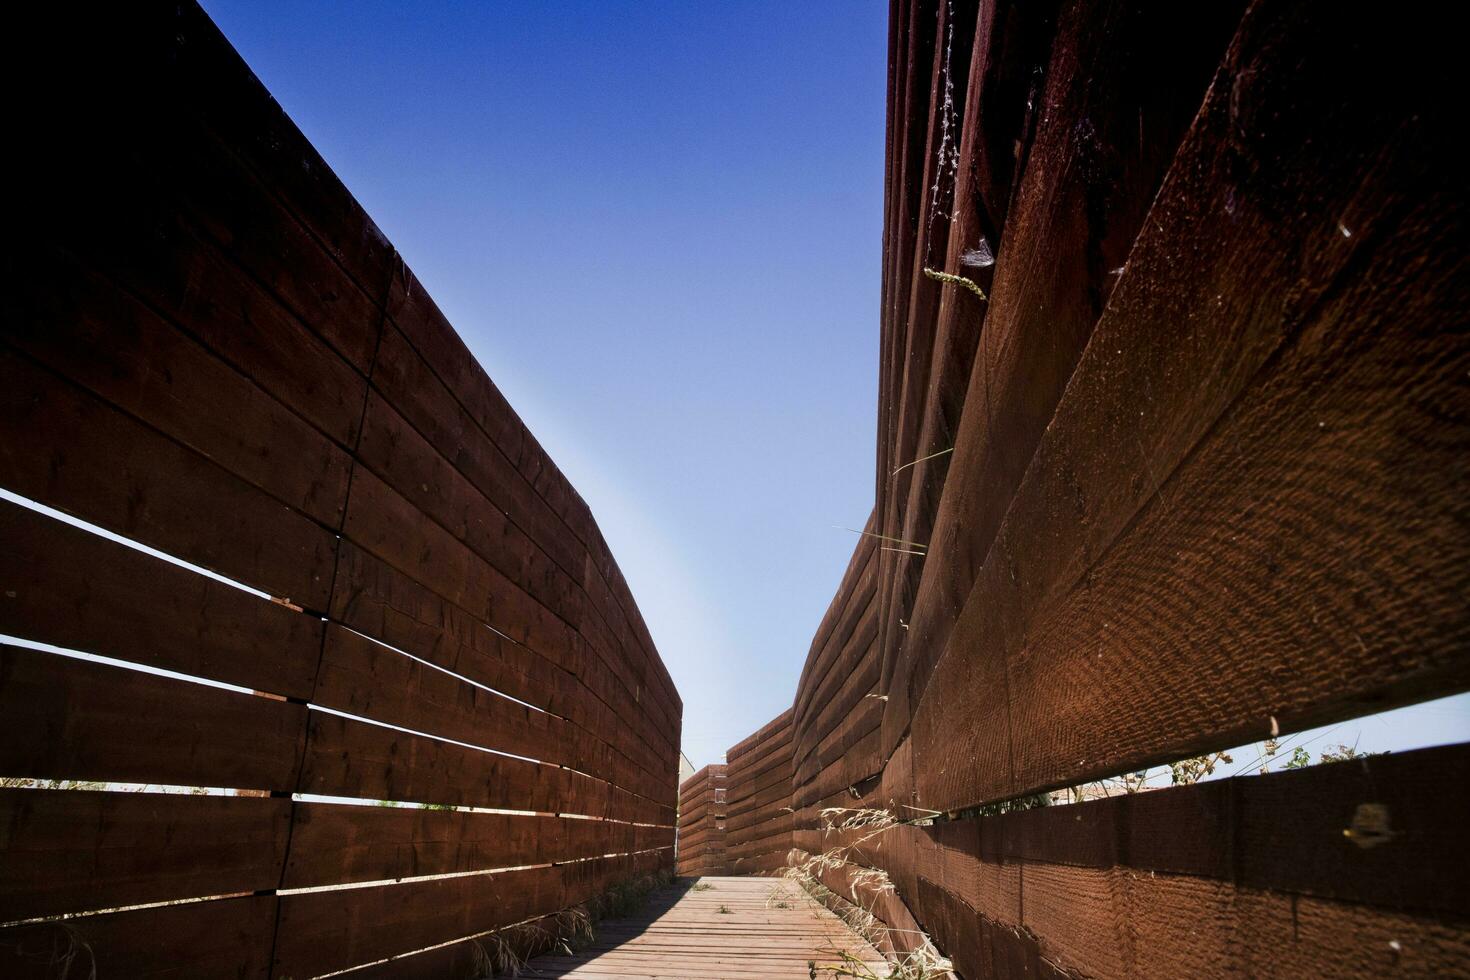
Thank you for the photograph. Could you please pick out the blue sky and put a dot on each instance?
(658, 227)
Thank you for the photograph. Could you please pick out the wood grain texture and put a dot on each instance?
(767, 929)
(67, 718)
(224, 938)
(66, 448)
(1313, 382)
(701, 829)
(71, 588)
(210, 349)
(79, 851)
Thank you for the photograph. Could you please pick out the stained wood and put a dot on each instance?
(107, 468)
(378, 600)
(158, 149)
(333, 930)
(71, 588)
(225, 938)
(1117, 99)
(384, 523)
(72, 719)
(89, 331)
(370, 680)
(346, 757)
(1324, 395)
(409, 384)
(217, 88)
(79, 851)
(333, 844)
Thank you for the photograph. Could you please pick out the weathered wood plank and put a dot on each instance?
(71, 588)
(227, 938)
(1311, 384)
(334, 844)
(78, 851)
(346, 757)
(66, 448)
(96, 335)
(66, 718)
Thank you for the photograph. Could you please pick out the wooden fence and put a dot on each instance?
(1193, 472)
(702, 823)
(210, 350)
(758, 812)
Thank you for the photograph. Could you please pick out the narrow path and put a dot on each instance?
(734, 929)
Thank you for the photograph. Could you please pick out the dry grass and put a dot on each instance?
(868, 886)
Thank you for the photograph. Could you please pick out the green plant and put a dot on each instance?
(1300, 759)
(702, 886)
(724, 910)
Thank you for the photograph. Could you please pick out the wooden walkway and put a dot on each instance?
(736, 928)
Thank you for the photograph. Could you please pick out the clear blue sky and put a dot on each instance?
(658, 227)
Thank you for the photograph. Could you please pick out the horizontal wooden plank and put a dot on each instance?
(862, 719)
(1340, 596)
(413, 390)
(227, 938)
(211, 83)
(128, 109)
(1077, 210)
(91, 332)
(65, 718)
(71, 588)
(755, 739)
(367, 679)
(441, 348)
(414, 469)
(178, 272)
(858, 690)
(385, 523)
(376, 599)
(334, 930)
(79, 851)
(67, 449)
(346, 757)
(852, 601)
(335, 844)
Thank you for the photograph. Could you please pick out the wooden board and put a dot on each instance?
(78, 851)
(1324, 400)
(332, 844)
(73, 719)
(770, 929)
(346, 757)
(74, 589)
(225, 938)
(107, 468)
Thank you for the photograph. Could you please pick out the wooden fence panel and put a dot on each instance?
(69, 850)
(758, 799)
(210, 350)
(1199, 478)
(702, 823)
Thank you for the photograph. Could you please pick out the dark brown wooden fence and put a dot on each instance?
(1194, 471)
(209, 349)
(702, 823)
(758, 811)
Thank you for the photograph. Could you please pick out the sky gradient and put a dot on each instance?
(658, 227)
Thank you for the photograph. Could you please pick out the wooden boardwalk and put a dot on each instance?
(736, 928)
